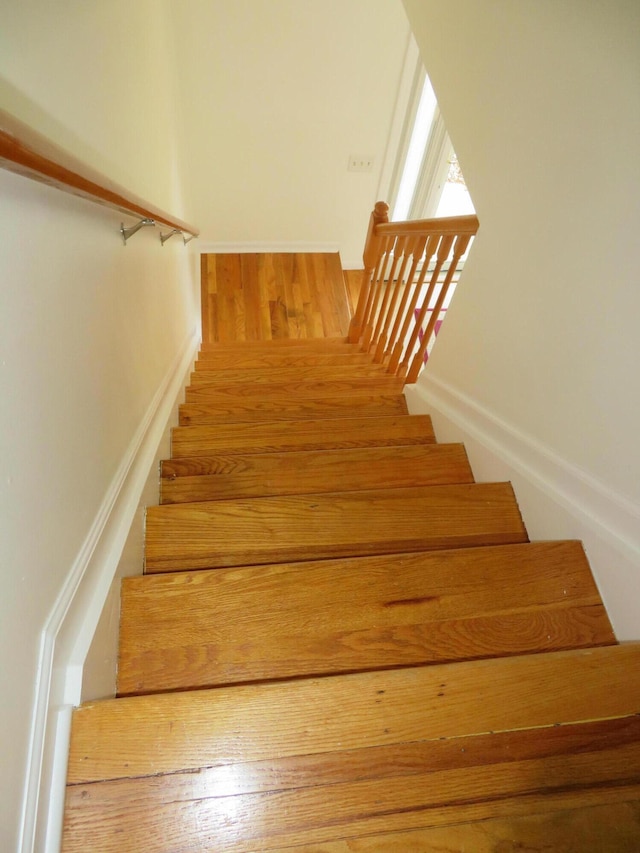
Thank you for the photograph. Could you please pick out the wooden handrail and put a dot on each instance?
(26, 152)
(401, 290)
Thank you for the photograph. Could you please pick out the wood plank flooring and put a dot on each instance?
(252, 297)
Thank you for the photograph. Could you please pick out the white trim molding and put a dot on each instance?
(70, 627)
(557, 499)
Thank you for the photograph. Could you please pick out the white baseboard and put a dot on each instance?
(556, 498)
(247, 248)
(69, 629)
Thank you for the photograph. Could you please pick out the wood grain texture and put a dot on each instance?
(271, 389)
(276, 375)
(339, 343)
(238, 359)
(214, 534)
(287, 408)
(186, 630)
(470, 776)
(250, 297)
(299, 472)
(166, 733)
(610, 828)
(336, 433)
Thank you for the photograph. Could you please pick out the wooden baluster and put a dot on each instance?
(382, 349)
(417, 250)
(430, 250)
(372, 251)
(446, 241)
(376, 293)
(398, 254)
(460, 248)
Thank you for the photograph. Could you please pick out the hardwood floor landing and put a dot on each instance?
(262, 297)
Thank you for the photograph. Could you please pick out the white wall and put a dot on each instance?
(275, 96)
(91, 332)
(542, 103)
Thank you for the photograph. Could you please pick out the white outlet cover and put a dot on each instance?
(360, 163)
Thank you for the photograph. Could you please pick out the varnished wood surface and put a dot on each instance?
(275, 375)
(335, 344)
(478, 775)
(610, 828)
(264, 437)
(214, 534)
(279, 391)
(238, 359)
(172, 732)
(182, 630)
(299, 472)
(287, 408)
(249, 297)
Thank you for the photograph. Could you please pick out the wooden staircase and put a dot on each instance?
(343, 643)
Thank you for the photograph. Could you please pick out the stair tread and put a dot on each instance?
(572, 826)
(214, 534)
(365, 816)
(287, 408)
(170, 732)
(311, 471)
(275, 375)
(272, 390)
(181, 631)
(302, 435)
(318, 344)
(292, 357)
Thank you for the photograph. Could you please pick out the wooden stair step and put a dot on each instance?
(502, 774)
(275, 375)
(216, 534)
(273, 389)
(263, 437)
(288, 408)
(312, 471)
(181, 631)
(317, 760)
(280, 357)
(610, 828)
(331, 344)
(132, 736)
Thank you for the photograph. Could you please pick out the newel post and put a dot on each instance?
(379, 215)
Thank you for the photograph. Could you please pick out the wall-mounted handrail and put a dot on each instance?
(402, 286)
(29, 153)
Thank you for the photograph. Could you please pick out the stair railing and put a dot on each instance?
(25, 151)
(408, 271)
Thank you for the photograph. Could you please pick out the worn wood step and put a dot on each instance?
(266, 389)
(298, 472)
(264, 437)
(563, 827)
(580, 765)
(280, 357)
(226, 626)
(331, 344)
(215, 534)
(315, 760)
(277, 375)
(133, 736)
(288, 408)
